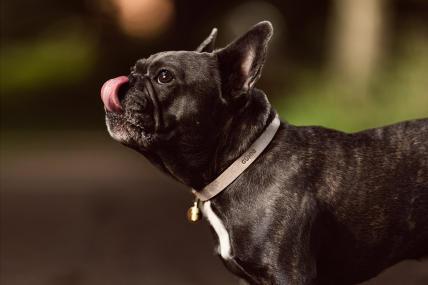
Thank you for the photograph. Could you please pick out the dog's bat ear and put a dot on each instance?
(241, 62)
(208, 44)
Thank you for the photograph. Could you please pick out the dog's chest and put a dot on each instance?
(217, 224)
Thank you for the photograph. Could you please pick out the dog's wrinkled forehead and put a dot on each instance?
(182, 64)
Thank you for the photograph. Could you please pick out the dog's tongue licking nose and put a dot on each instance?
(109, 94)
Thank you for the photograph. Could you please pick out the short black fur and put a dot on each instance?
(318, 206)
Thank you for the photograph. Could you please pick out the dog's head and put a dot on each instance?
(181, 100)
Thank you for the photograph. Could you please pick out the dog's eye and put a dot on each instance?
(164, 77)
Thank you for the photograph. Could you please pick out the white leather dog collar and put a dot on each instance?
(245, 160)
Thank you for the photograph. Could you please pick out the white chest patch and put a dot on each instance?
(219, 228)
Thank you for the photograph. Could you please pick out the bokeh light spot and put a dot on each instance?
(144, 18)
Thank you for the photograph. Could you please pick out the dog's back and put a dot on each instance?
(371, 188)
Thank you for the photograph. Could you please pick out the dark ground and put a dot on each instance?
(78, 208)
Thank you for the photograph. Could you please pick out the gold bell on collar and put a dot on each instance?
(194, 214)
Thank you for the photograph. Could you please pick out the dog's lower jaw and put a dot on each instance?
(128, 134)
(120, 136)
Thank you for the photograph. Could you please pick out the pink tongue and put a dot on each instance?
(109, 94)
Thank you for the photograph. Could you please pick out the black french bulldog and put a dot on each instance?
(318, 206)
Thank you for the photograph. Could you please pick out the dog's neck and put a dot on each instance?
(241, 128)
(239, 165)
(240, 131)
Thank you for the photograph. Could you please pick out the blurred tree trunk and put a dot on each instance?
(357, 33)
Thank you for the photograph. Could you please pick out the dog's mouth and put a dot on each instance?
(127, 118)
(109, 94)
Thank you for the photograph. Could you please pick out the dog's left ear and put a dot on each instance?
(241, 62)
(208, 44)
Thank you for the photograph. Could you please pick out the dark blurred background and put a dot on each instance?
(79, 208)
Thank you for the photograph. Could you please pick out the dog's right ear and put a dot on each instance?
(241, 62)
(208, 44)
